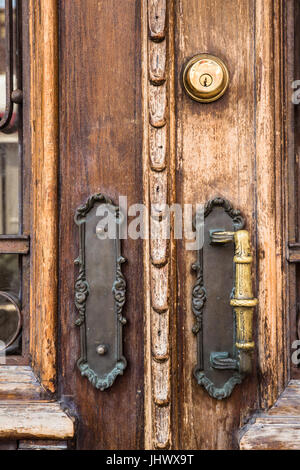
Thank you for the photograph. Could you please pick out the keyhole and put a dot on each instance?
(206, 80)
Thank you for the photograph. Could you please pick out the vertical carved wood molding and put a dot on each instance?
(158, 192)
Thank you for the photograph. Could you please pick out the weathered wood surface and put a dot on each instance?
(157, 19)
(158, 192)
(43, 34)
(101, 150)
(294, 253)
(25, 420)
(233, 148)
(19, 382)
(17, 244)
(279, 429)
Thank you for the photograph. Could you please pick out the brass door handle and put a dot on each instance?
(242, 300)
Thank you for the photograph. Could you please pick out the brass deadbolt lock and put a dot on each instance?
(205, 78)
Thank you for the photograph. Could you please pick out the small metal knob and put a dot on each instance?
(17, 96)
(205, 78)
(101, 349)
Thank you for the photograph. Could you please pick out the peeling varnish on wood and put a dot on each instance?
(159, 246)
(157, 62)
(24, 420)
(233, 149)
(279, 429)
(161, 384)
(158, 105)
(158, 148)
(19, 382)
(159, 288)
(157, 10)
(160, 333)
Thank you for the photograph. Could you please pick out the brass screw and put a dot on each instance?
(206, 80)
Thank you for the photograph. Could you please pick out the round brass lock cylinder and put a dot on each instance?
(205, 78)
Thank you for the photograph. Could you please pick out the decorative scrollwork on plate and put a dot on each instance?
(105, 382)
(101, 368)
(81, 292)
(198, 298)
(84, 209)
(235, 214)
(119, 291)
(215, 392)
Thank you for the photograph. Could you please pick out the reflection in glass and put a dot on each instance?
(10, 324)
(10, 174)
(9, 145)
(9, 188)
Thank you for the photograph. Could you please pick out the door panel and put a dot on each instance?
(106, 109)
(128, 128)
(100, 148)
(215, 157)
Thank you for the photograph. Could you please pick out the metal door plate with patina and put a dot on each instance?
(100, 292)
(214, 318)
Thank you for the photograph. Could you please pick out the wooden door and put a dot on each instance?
(105, 111)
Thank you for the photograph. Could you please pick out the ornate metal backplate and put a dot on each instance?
(100, 294)
(216, 368)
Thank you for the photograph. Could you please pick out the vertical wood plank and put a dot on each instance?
(234, 148)
(44, 150)
(270, 244)
(101, 150)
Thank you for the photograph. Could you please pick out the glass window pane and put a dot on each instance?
(10, 195)
(9, 188)
(10, 274)
(9, 149)
(9, 326)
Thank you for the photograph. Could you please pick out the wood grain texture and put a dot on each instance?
(157, 62)
(160, 325)
(15, 244)
(270, 241)
(34, 420)
(101, 150)
(19, 382)
(157, 19)
(43, 35)
(158, 105)
(294, 253)
(279, 429)
(158, 148)
(228, 149)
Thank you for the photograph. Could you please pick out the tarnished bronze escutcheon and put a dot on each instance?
(222, 301)
(100, 291)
